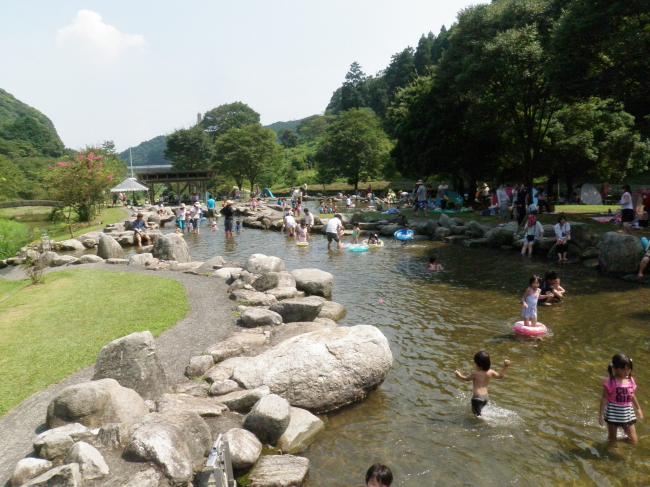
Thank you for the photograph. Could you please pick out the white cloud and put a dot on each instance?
(101, 41)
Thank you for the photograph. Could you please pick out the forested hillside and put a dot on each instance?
(148, 153)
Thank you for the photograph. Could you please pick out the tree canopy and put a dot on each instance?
(228, 116)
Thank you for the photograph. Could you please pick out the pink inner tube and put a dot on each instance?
(530, 331)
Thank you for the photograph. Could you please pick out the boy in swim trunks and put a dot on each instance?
(481, 379)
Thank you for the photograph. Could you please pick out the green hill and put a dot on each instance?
(26, 132)
(292, 125)
(148, 153)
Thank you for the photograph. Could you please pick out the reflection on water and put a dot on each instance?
(540, 427)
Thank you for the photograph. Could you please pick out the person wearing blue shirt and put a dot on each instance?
(139, 230)
(212, 204)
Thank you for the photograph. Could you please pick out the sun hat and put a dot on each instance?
(196, 203)
(419, 181)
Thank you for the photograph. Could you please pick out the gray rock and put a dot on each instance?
(116, 261)
(268, 418)
(176, 442)
(388, 230)
(272, 280)
(203, 406)
(108, 248)
(442, 232)
(285, 293)
(55, 443)
(333, 311)
(63, 476)
(90, 259)
(114, 436)
(445, 221)
(301, 432)
(69, 245)
(89, 243)
(322, 370)
(474, 230)
(243, 401)
(145, 478)
(189, 267)
(619, 253)
(95, 403)
(261, 264)
(253, 298)
(590, 253)
(28, 468)
(244, 446)
(218, 373)
(61, 260)
(199, 365)
(210, 265)
(237, 344)
(143, 259)
(279, 471)
(499, 236)
(228, 273)
(221, 387)
(192, 387)
(46, 258)
(314, 282)
(298, 309)
(133, 361)
(254, 317)
(91, 463)
(171, 247)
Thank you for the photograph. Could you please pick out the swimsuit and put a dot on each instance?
(619, 411)
(531, 311)
(478, 403)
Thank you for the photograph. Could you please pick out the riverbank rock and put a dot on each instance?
(228, 273)
(209, 266)
(55, 443)
(254, 317)
(279, 471)
(500, 236)
(143, 259)
(237, 344)
(301, 432)
(199, 365)
(261, 264)
(145, 478)
(186, 403)
(268, 418)
(108, 248)
(69, 245)
(223, 387)
(61, 260)
(95, 403)
(354, 360)
(253, 298)
(63, 476)
(619, 253)
(90, 259)
(298, 309)
(272, 280)
(245, 448)
(474, 229)
(442, 233)
(171, 247)
(91, 463)
(133, 361)
(314, 282)
(243, 401)
(28, 468)
(333, 311)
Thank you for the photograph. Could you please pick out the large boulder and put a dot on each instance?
(108, 248)
(269, 418)
(28, 468)
(298, 309)
(176, 442)
(142, 259)
(445, 221)
(261, 264)
(91, 462)
(279, 471)
(442, 232)
(199, 365)
(209, 266)
(244, 447)
(47, 257)
(171, 247)
(619, 253)
(61, 260)
(55, 443)
(272, 280)
(254, 317)
(333, 311)
(228, 273)
(203, 406)
(499, 236)
(314, 282)
(69, 245)
(253, 298)
(95, 403)
(474, 230)
(64, 476)
(133, 361)
(243, 401)
(322, 370)
(90, 259)
(236, 344)
(302, 430)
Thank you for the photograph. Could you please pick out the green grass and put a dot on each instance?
(13, 235)
(582, 209)
(48, 331)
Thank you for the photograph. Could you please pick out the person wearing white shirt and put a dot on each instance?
(290, 224)
(627, 209)
(504, 202)
(309, 219)
(562, 236)
(332, 231)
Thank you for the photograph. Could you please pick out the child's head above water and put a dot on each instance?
(535, 281)
(621, 366)
(482, 360)
(432, 260)
(379, 475)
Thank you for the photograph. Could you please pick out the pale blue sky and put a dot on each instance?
(131, 70)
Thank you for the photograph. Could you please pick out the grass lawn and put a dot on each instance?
(48, 331)
(582, 209)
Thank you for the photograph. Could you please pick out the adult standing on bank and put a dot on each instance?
(420, 196)
(228, 213)
(332, 231)
(627, 209)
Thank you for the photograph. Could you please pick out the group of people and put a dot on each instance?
(188, 218)
(534, 231)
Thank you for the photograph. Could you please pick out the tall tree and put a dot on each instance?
(189, 149)
(353, 90)
(400, 72)
(355, 146)
(229, 116)
(288, 138)
(422, 59)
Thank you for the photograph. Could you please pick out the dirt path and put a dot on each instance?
(209, 320)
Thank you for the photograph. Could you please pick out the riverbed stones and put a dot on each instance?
(301, 432)
(253, 298)
(261, 264)
(203, 406)
(90, 259)
(314, 282)
(237, 344)
(285, 293)
(64, 476)
(619, 253)
(91, 462)
(222, 387)
(108, 248)
(268, 418)
(199, 365)
(171, 247)
(69, 245)
(143, 259)
(177, 442)
(28, 468)
(94, 404)
(298, 309)
(322, 370)
(55, 443)
(133, 361)
(279, 471)
(243, 401)
(245, 448)
(332, 310)
(442, 233)
(272, 280)
(254, 317)
(61, 260)
(218, 373)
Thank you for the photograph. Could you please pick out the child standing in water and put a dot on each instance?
(619, 400)
(481, 379)
(529, 301)
(301, 233)
(356, 231)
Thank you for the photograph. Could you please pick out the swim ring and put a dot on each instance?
(404, 234)
(302, 244)
(530, 331)
(645, 242)
(358, 248)
(374, 245)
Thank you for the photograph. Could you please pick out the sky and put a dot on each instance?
(128, 71)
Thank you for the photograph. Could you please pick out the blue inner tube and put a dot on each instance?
(645, 242)
(403, 234)
(358, 248)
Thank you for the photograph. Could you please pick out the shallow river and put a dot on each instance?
(540, 427)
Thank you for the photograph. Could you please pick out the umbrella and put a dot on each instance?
(129, 185)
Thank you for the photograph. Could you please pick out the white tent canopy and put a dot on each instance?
(129, 185)
(589, 195)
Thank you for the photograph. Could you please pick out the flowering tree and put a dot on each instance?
(81, 183)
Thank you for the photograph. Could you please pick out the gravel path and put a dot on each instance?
(209, 320)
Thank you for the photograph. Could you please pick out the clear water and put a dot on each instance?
(540, 427)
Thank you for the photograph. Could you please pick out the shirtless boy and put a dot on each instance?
(481, 379)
